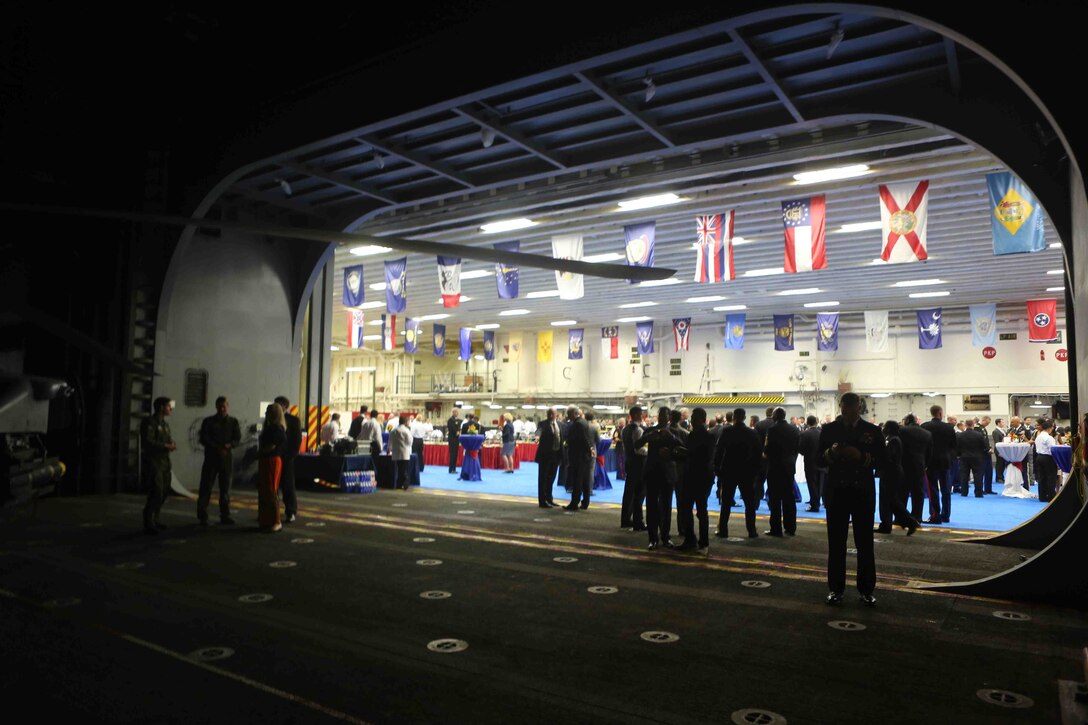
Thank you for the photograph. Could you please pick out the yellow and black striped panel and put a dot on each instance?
(313, 426)
(734, 399)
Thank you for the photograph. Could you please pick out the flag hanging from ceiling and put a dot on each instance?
(355, 328)
(466, 344)
(354, 293)
(827, 331)
(489, 344)
(714, 248)
(439, 340)
(513, 348)
(876, 331)
(644, 331)
(396, 285)
(506, 275)
(681, 329)
(610, 342)
(411, 335)
(1042, 320)
(1017, 220)
(638, 240)
(734, 331)
(903, 213)
(544, 347)
(929, 329)
(389, 332)
(568, 246)
(449, 280)
(783, 332)
(983, 325)
(575, 339)
(803, 221)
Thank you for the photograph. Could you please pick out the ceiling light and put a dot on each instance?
(543, 293)
(801, 291)
(931, 395)
(711, 298)
(600, 407)
(648, 202)
(1042, 406)
(822, 304)
(513, 313)
(370, 305)
(564, 323)
(730, 308)
(633, 319)
(606, 257)
(374, 322)
(1056, 271)
(487, 137)
(633, 305)
(651, 89)
(285, 186)
(439, 316)
(880, 395)
(918, 283)
(660, 282)
(766, 271)
(860, 227)
(488, 326)
(1037, 402)
(369, 249)
(930, 294)
(541, 407)
(833, 174)
(1055, 245)
(511, 407)
(478, 357)
(507, 225)
(527, 406)
(379, 160)
(836, 38)
(494, 407)
(378, 286)
(372, 337)
(1055, 289)
(334, 348)
(477, 273)
(463, 299)
(741, 240)
(359, 370)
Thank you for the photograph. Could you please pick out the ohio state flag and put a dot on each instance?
(803, 222)
(903, 212)
(1042, 320)
(680, 329)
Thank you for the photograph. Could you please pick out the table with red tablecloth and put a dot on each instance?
(525, 451)
(438, 454)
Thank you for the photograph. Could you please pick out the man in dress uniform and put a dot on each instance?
(582, 454)
(917, 452)
(974, 448)
(940, 476)
(356, 423)
(220, 434)
(780, 452)
(814, 466)
(294, 443)
(634, 488)
(548, 451)
(663, 447)
(852, 448)
(697, 481)
(998, 436)
(737, 460)
(157, 444)
(987, 461)
(453, 436)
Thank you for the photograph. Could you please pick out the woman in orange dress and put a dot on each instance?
(271, 447)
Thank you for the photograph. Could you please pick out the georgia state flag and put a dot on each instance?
(803, 222)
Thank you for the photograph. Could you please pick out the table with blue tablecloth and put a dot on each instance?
(470, 468)
(1063, 457)
(313, 469)
(601, 481)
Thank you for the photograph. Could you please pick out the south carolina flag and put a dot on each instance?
(355, 328)
(389, 332)
(610, 342)
(680, 329)
(803, 221)
(1042, 320)
(714, 246)
(903, 212)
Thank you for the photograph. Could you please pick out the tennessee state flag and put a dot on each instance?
(1042, 320)
(803, 222)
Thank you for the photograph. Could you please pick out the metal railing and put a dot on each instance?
(444, 383)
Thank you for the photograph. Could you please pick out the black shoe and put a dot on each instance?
(733, 505)
(553, 505)
(584, 506)
(160, 527)
(625, 525)
(912, 526)
(791, 533)
(667, 543)
(753, 535)
(812, 509)
(721, 534)
(226, 521)
(978, 495)
(544, 506)
(203, 521)
(882, 529)
(570, 508)
(777, 534)
(289, 518)
(653, 546)
(936, 522)
(868, 600)
(945, 521)
(151, 531)
(639, 527)
(834, 598)
(686, 546)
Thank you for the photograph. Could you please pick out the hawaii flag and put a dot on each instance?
(568, 246)
(876, 331)
(714, 247)
(1017, 220)
(575, 338)
(449, 280)
(983, 325)
(903, 212)
(489, 345)
(610, 342)
(544, 347)
(396, 285)
(783, 332)
(929, 329)
(644, 332)
(389, 332)
(411, 335)
(734, 331)
(827, 329)
(506, 275)
(639, 244)
(681, 328)
(355, 328)
(1042, 320)
(439, 340)
(803, 221)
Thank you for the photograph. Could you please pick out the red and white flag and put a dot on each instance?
(1042, 320)
(903, 212)
(610, 342)
(355, 328)
(804, 223)
(389, 332)
(714, 246)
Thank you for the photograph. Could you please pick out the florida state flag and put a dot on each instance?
(903, 214)
(1042, 320)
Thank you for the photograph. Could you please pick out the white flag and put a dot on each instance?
(568, 246)
(876, 331)
(514, 348)
(983, 325)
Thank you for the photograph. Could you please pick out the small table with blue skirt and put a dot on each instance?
(470, 468)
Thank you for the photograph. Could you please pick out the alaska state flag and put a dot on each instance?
(803, 222)
(396, 285)
(827, 331)
(1016, 216)
(734, 332)
(439, 340)
(489, 344)
(354, 294)
(783, 332)
(983, 325)
(644, 332)
(639, 244)
(576, 337)
(466, 344)
(506, 275)
(411, 335)
(929, 329)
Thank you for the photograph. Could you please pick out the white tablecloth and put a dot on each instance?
(1014, 480)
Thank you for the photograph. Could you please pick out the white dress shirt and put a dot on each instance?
(1043, 442)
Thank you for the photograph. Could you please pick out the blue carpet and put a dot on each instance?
(992, 513)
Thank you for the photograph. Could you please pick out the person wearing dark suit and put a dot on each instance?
(940, 481)
(780, 452)
(814, 467)
(357, 423)
(582, 454)
(674, 469)
(294, 443)
(548, 451)
(987, 460)
(917, 452)
(737, 460)
(998, 436)
(453, 437)
(662, 448)
(974, 447)
(697, 481)
(852, 448)
(220, 434)
(893, 488)
(634, 487)
(761, 428)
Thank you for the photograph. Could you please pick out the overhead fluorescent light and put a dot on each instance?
(606, 257)
(488, 326)
(633, 319)
(860, 227)
(880, 395)
(528, 406)
(1055, 245)
(600, 407)
(878, 260)
(514, 313)
(1048, 407)
(730, 308)
(1056, 271)
(372, 337)
(1055, 289)
(507, 225)
(931, 395)
(929, 294)
(765, 272)
(374, 322)
(633, 305)
(360, 370)
(377, 286)
(833, 174)
(439, 316)
(660, 282)
(334, 348)
(463, 299)
(564, 323)
(511, 407)
(800, 291)
(542, 294)
(477, 273)
(478, 357)
(918, 283)
(648, 202)
(710, 298)
(741, 240)
(369, 249)
(822, 304)
(541, 407)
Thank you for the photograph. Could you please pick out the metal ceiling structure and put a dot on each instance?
(723, 116)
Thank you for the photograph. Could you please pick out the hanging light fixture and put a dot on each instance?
(651, 89)
(487, 137)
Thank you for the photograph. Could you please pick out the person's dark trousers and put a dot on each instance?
(1047, 471)
(955, 475)
(751, 492)
(813, 479)
(892, 499)
(633, 495)
(685, 521)
(545, 479)
(846, 504)
(581, 480)
(564, 469)
(971, 467)
(158, 483)
(658, 505)
(914, 482)
(287, 486)
(940, 494)
(782, 502)
(695, 493)
(401, 469)
(417, 448)
(453, 456)
(987, 474)
(1000, 469)
(216, 466)
(727, 490)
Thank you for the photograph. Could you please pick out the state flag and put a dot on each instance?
(803, 221)
(439, 339)
(575, 338)
(827, 328)
(714, 248)
(544, 347)
(983, 325)
(396, 285)
(929, 329)
(638, 241)
(355, 328)
(449, 280)
(876, 330)
(411, 335)
(489, 344)
(1017, 218)
(466, 344)
(569, 284)
(354, 293)
(610, 342)
(904, 209)
(389, 332)
(783, 333)
(644, 332)
(506, 275)
(681, 328)
(734, 331)
(1042, 320)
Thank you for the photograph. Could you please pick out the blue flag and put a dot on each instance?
(827, 328)
(439, 340)
(575, 338)
(354, 294)
(506, 275)
(783, 332)
(396, 285)
(466, 344)
(644, 332)
(411, 335)
(734, 332)
(929, 329)
(489, 345)
(639, 244)
(1016, 215)
(983, 325)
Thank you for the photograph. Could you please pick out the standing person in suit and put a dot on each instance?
(974, 447)
(634, 486)
(852, 448)
(400, 448)
(987, 460)
(940, 482)
(220, 434)
(583, 454)
(761, 428)
(780, 452)
(814, 466)
(357, 423)
(698, 480)
(674, 469)
(736, 460)
(662, 448)
(998, 436)
(293, 431)
(917, 451)
(453, 436)
(548, 452)
(893, 489)
(370, 436)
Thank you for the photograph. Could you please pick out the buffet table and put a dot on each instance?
(313, 469)
(525, 451)
(438, 454)
(1015, 453)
